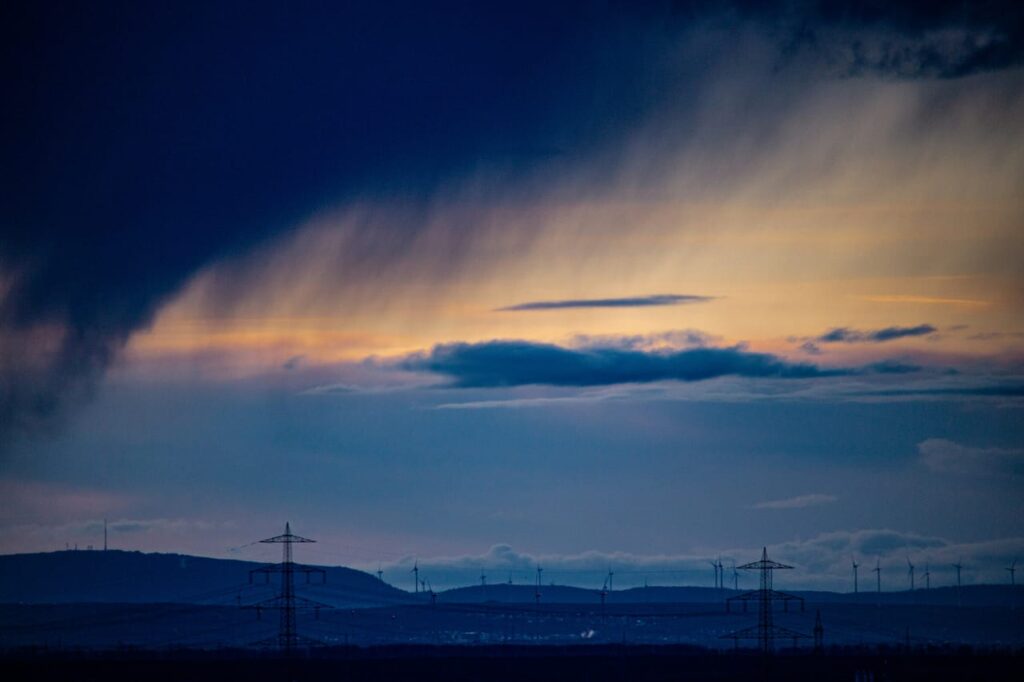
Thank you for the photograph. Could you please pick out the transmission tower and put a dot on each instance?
(765, 631)
(286, 603)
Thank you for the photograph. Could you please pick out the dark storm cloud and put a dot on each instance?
(629, 302)
(517, 363)
(847, 335)
(923, 39)
(142, 141)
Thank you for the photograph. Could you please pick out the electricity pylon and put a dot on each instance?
(286, 602)
(765, 631)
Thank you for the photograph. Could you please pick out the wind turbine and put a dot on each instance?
(416, 575)
(959, 565)
(735, 576)
(1012, 569)
(853, 560)
(878, 577)
(910, 572)
(483, 578)
(721, 573)
(927, 577)
(536, 594)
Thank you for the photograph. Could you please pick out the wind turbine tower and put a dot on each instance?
(910, 572)
(416, 576)
(1012, 569)
(927, 577)
(959, 565)
(878, 579)
(853, 561)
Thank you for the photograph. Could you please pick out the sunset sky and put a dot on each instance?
(597, 285)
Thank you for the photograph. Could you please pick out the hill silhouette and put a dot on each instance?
(135, 577)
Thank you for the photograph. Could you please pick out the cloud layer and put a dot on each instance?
(821, 562)
(517, 363)
(945, 456)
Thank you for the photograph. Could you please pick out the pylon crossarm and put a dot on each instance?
(281, 603)
(763, 564)
(754, 632)
(293, 567)
(745, 633)
(296, 640)
(286, 538)
(786, 633)
(784, 596)
(746, 596)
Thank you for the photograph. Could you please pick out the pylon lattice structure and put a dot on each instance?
(765, 631)
(286, 602)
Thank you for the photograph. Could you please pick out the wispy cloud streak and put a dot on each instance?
(847, 335)
(627, 302)
(798, 502)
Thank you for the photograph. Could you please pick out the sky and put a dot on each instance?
(591, 286)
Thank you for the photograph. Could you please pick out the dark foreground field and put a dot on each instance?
(514, 663)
